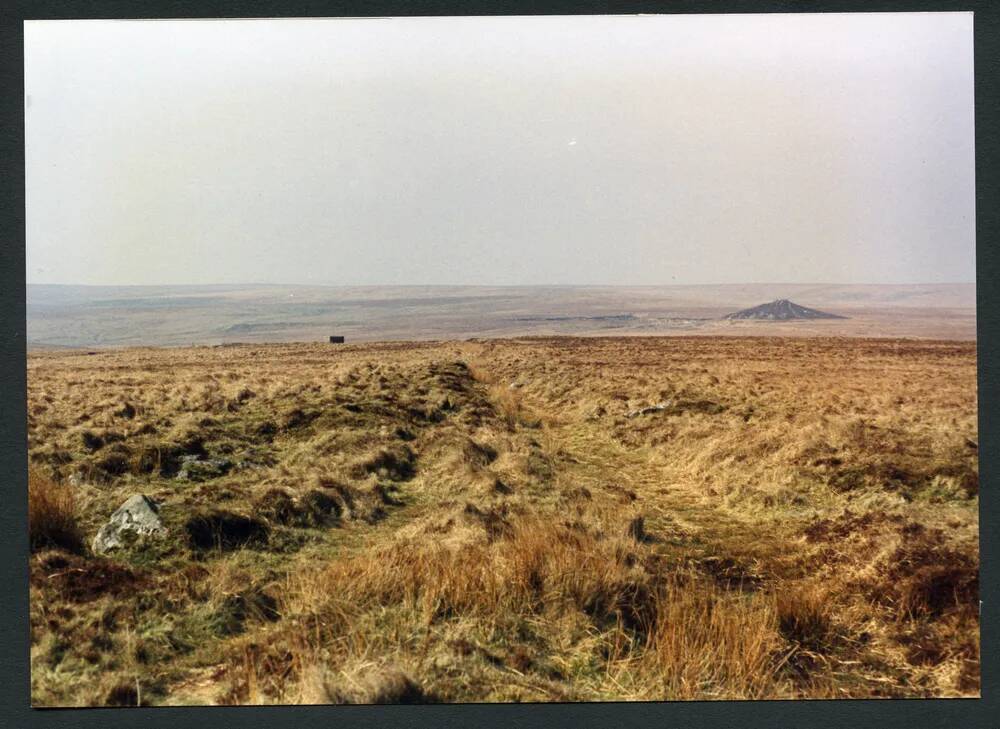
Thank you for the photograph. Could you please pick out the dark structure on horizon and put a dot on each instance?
(781, 310)
(336, 340)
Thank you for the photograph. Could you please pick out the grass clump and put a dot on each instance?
(52, 520)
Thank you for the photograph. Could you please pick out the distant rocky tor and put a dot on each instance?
(781, 310)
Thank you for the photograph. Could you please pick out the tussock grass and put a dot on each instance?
(539, 568)
(689, 638)
(509, 403)
(52, 514)
(709, 645)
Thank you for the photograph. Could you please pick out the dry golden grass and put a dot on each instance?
(707, 644)
(51, 514)
(509, 404)
(513, 520)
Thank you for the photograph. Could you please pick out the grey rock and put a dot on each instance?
(194, 468)
(646, 411)
(677, 407)
(139, 516)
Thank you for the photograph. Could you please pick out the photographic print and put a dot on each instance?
(501, 359)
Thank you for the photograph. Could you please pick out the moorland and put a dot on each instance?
(516, 519)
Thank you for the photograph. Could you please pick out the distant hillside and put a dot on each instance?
(782, 310)
(113, 316)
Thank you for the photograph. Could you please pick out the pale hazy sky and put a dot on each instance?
(563, 150)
